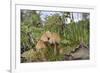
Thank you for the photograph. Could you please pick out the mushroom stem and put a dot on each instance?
(55, 49)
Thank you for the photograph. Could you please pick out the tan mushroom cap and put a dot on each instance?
(54, 38)
(40, 44)
(45, 36)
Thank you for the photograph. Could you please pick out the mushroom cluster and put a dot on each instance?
(48, 38)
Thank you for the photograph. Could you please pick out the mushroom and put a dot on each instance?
(54, 39)
(40, 47)
(45, 36)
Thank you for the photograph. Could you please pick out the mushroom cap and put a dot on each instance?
(45, 36)
(40, 44)
(54, 38)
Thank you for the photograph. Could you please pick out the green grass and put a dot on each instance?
(73, 35)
